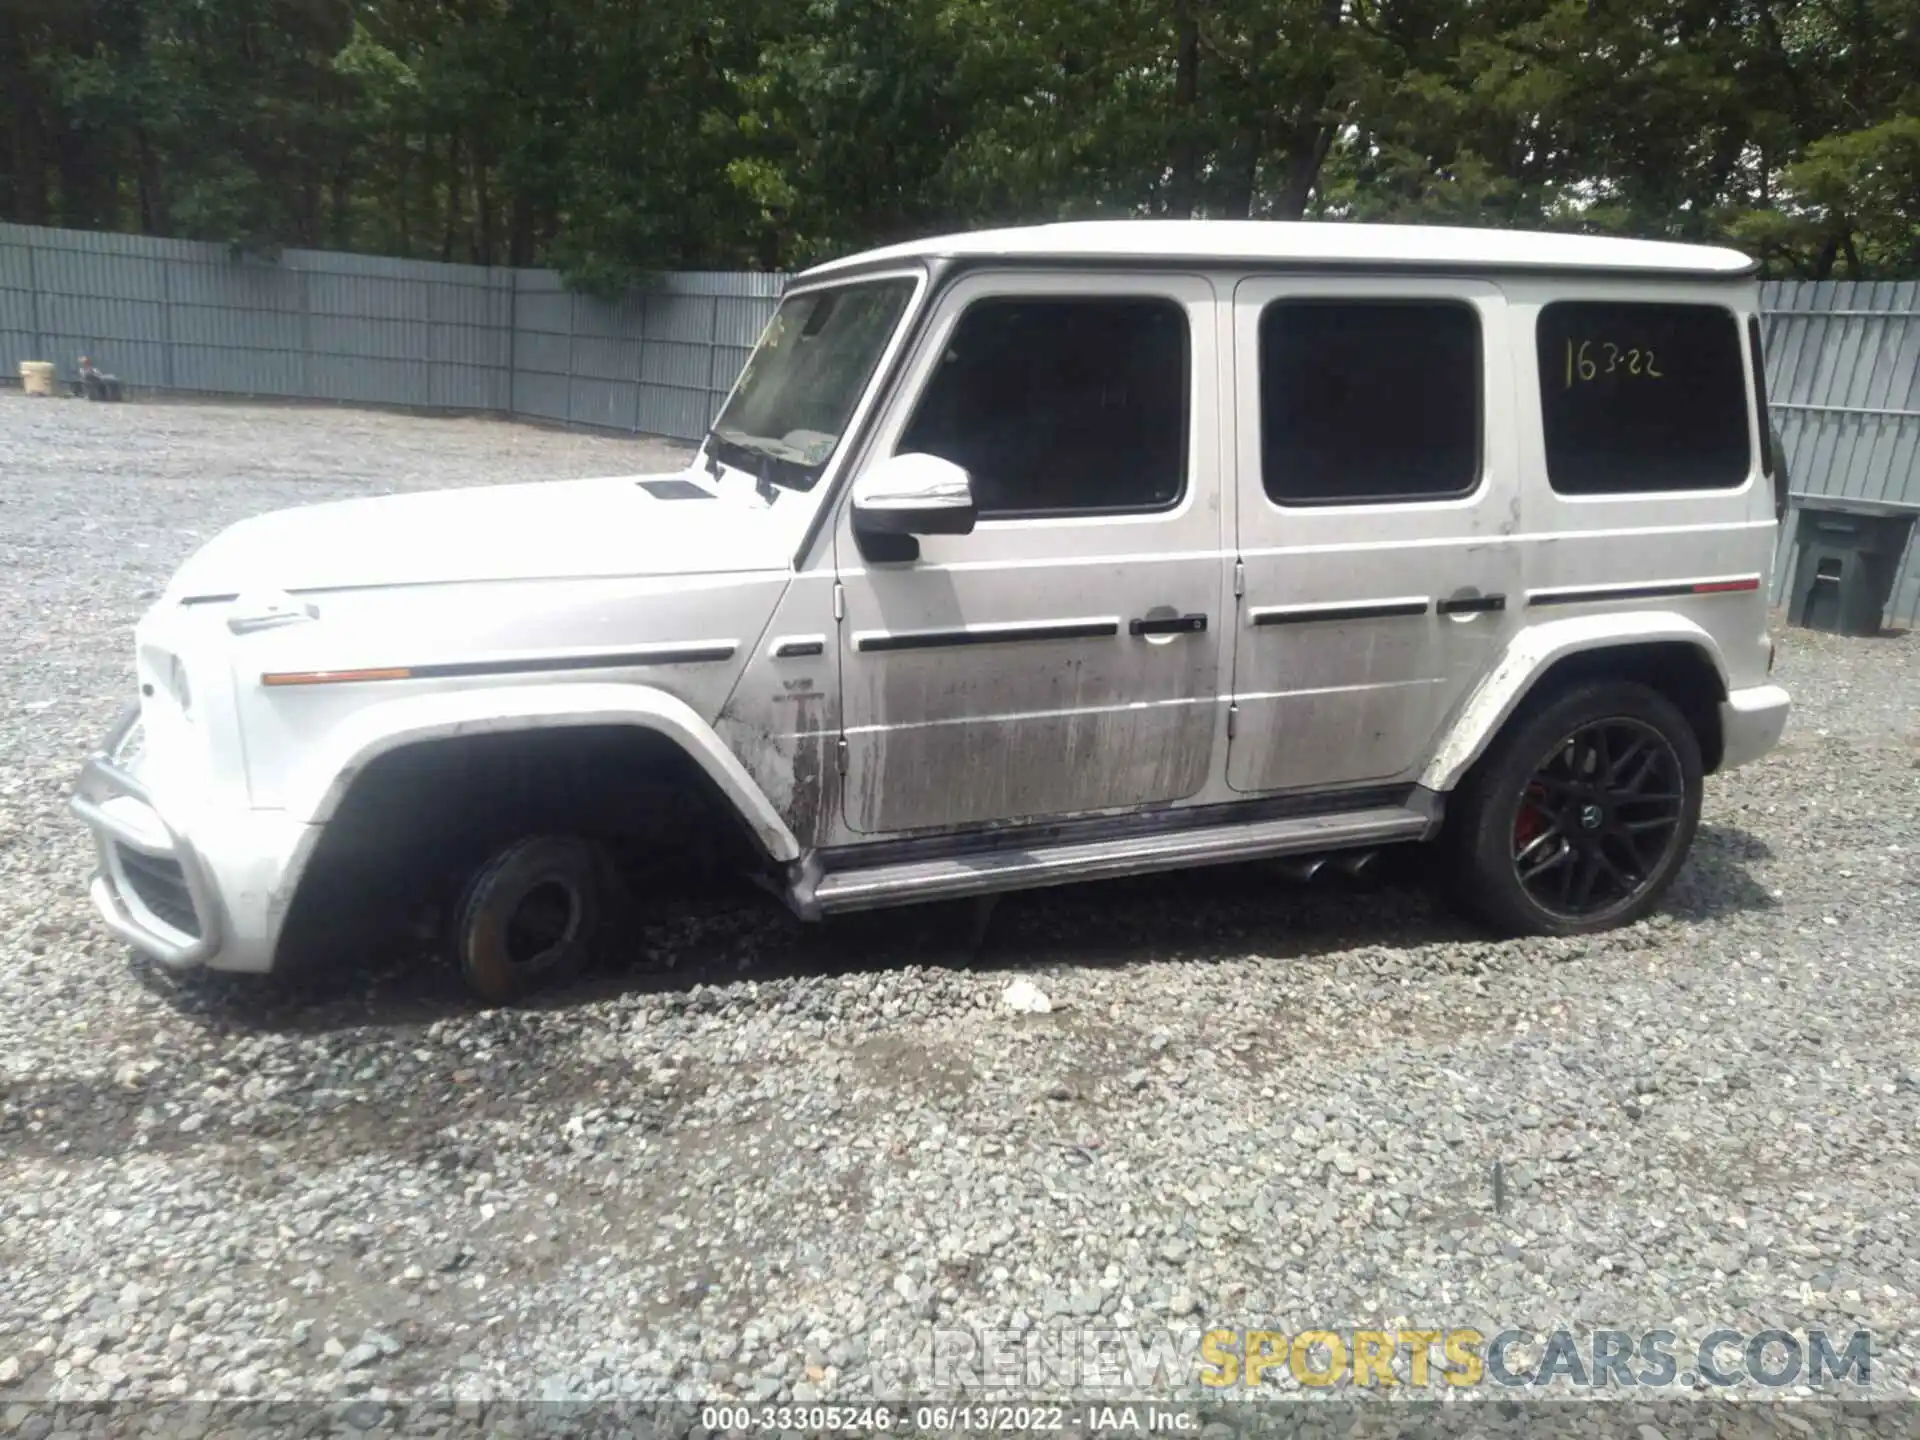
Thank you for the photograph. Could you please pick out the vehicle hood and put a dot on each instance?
(556, 530)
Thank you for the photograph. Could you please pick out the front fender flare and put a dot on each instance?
(318, 787)
(1529, 655)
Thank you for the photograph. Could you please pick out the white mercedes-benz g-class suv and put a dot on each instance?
(1014, 558)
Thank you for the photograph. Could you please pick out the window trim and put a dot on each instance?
(1376, 502)
(858, 436)
(916, 285)
(1715, 492)
(1762, 421)
(1188, 375)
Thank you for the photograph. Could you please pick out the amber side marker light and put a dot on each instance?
(333, 677)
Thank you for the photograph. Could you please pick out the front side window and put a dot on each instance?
(1369, 401)
(1641, 398)
(1060, 405)
(801, 384)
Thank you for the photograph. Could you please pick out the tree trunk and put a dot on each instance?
(1240, 170)
(87, 182)
(149, 186)
(1307, 148)
(1855, 270)
(307, 225)
(520, 232)
(1183, 186)
(27, 143)
(483, 211)
(339, 187)
(453, 196)
(1823, 265)
(400, 199)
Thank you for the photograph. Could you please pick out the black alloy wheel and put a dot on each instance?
(1599, 818)
(1580, 814)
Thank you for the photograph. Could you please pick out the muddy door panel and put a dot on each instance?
(1376, 515)
(1065, 655)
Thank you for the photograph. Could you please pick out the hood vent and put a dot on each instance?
(675, 490)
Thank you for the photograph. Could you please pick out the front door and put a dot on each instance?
(1377, 508)
(1064, 657)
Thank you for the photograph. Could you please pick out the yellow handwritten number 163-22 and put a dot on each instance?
(1581, 364)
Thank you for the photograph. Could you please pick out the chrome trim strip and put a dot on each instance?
(699, 652)
(1661, 590)
(690, 653)
(869, 641)
(1060, 712)
(1359, 610)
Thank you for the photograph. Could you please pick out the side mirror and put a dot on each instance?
(914, 495)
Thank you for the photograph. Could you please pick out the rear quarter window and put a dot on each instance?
(1642, 398)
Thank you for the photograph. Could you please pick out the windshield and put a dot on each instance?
(800, 386)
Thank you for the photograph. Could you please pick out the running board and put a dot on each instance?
(912, 881)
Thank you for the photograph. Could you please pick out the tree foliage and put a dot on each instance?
(613, 138)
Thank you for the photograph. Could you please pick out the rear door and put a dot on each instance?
(1377, 509)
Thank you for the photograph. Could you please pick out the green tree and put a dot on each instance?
(615, 139)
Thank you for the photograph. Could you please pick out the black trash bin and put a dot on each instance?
(1847, 558)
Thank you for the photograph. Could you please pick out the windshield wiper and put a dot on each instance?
(731, 452)
(763, 464)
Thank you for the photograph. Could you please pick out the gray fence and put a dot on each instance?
(1843, 359)
(1843, 381)
(178, 315)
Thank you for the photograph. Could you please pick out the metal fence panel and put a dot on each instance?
(680, 413)
(1843, 376)
(540, 397)
(538, 353)
(467, 387)
(605, 403)
(371, 329)
(234, 370)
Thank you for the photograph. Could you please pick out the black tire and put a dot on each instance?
(1548, 837)
(530, 918)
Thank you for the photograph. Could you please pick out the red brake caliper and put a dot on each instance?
(1528, 824)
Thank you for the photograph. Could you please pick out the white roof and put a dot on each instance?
(1308, 244)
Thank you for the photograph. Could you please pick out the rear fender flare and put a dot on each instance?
(1529, 656)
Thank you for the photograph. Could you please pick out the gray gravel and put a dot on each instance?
(766, 1161)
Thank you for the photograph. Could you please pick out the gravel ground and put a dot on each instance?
(767, 1161)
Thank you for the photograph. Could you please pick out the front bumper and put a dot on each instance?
(152, 887)
(1751, 723)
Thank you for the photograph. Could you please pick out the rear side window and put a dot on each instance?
(1369, 401)
(1642, 398)
(1061, 405)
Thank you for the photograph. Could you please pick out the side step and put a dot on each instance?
(911, 881)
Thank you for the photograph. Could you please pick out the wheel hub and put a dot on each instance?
(1592, 816)
(544, 917)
